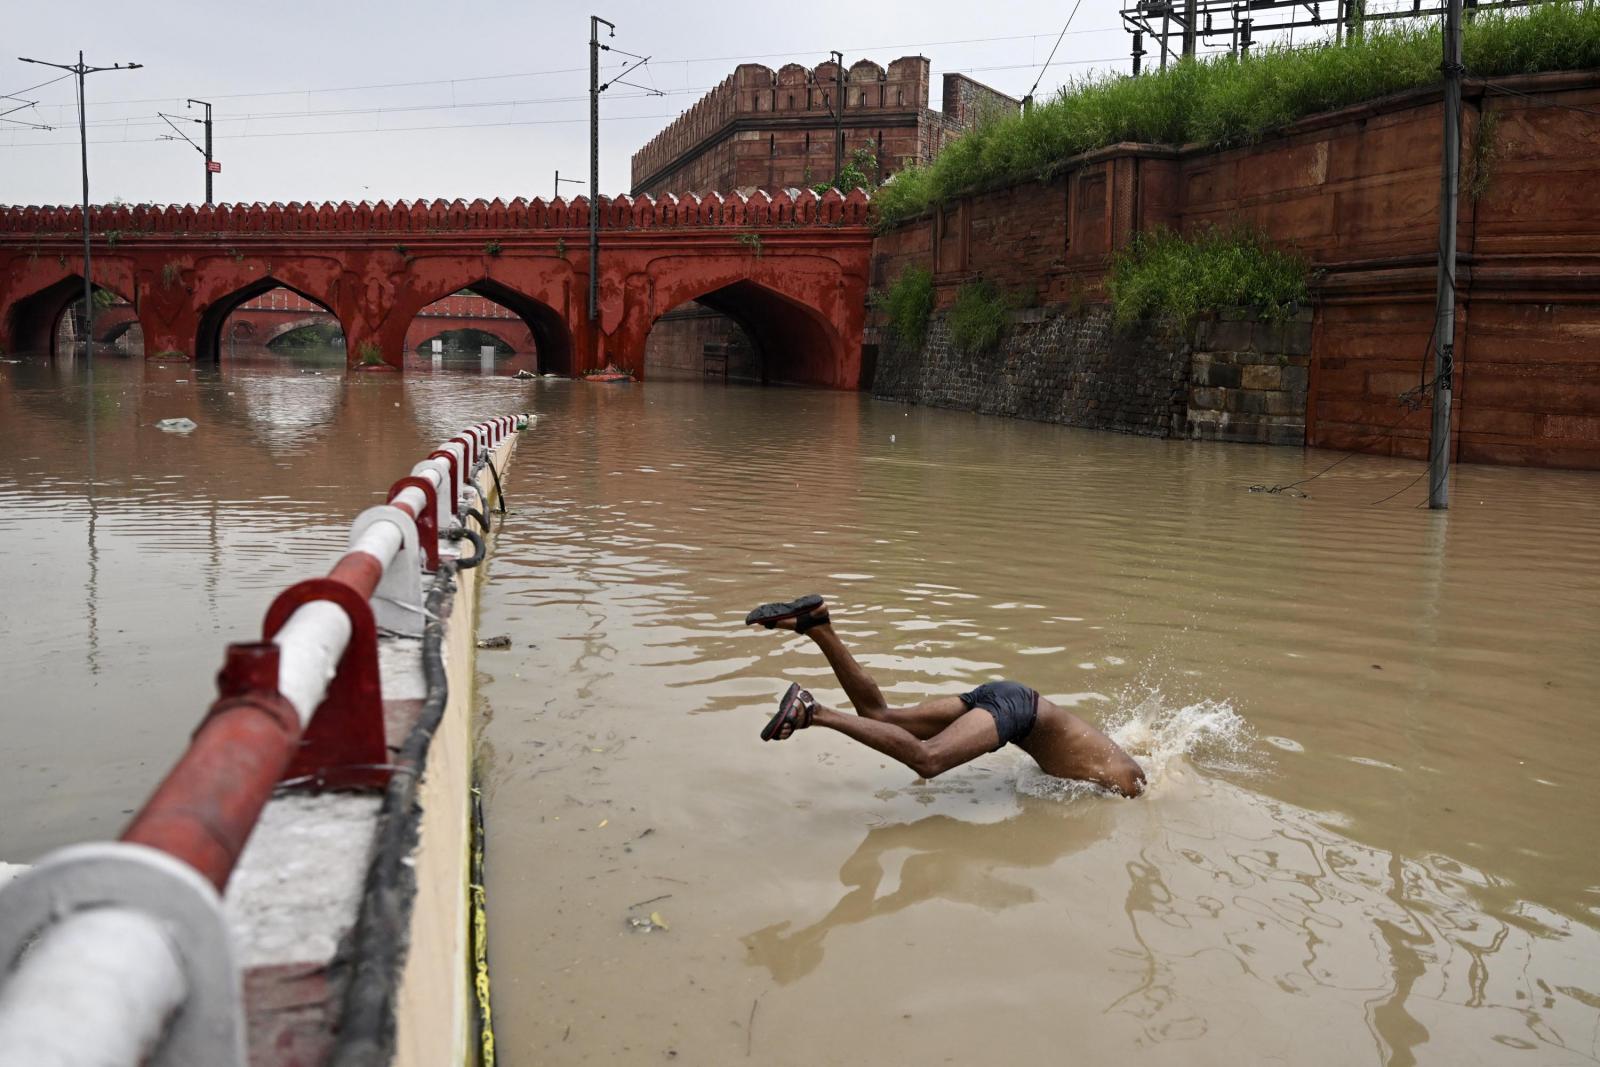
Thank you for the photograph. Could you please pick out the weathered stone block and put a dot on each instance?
(1229, 335)
(1245, 402)
(1294, 379)
(1220, 374)
(1282, 402)
(1265, 376)
(1207, 399)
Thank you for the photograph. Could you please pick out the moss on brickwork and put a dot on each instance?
(1229, 101)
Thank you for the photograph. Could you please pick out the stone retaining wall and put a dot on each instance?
(1237, 379)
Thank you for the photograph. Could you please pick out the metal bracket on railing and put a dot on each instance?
(456, 469)
(397, 601)
(344, 745)
(427, 518)
(440, 467)
(209, 1027)
(470, 443)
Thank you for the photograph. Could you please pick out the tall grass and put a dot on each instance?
(1228, 101)
(978, 316)
(909, 303)
(1176, 279)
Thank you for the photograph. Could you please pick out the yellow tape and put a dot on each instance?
(480, 937)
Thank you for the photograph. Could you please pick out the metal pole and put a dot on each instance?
(81, 68)
(838, 115)
(1188, 28)
(1445, 330)
(88, 273)
(208, 146)
(594, 167)
(557, 187)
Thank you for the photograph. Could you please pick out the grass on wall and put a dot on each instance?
(909, 303)
(978, 316)
(1230, 101)
(1177, 279)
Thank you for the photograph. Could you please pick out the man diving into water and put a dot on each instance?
(944, 732)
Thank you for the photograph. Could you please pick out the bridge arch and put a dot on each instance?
(209, 339)
(33, 320)
(789, 311)
(553, 342)
(283, 329)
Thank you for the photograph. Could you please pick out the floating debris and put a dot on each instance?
(177, 425)
(650, 925)
(500, 641)
(524, 375)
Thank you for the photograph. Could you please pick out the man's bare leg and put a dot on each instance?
(924, 721)
(969, 737)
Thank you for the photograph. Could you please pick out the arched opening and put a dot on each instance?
(743, 332)
(52, 321)
(261, 318)
(488, 327)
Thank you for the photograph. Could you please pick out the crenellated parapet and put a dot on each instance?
(793, 92)
(786, 207)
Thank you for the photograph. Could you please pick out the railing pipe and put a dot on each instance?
(96, 988)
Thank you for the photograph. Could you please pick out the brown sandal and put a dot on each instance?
(794, 711)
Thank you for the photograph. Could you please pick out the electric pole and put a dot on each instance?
(569, 181)
(1445, 326)
(210, 169)
(838, 115)
(595, 22)
(1188, 28)
(80, 68)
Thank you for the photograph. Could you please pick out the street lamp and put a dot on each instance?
(80, 68)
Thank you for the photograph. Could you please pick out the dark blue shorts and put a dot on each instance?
(1013, 705)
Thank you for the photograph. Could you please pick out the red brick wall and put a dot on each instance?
(769, 129)
(1357, 192)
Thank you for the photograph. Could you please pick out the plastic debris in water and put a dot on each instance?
(655, 922)
(501, 641)
(177, 425)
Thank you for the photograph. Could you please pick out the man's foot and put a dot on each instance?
(794, 713)
(799, 615)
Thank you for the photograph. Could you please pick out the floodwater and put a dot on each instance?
(1371, 830)
(122, 589)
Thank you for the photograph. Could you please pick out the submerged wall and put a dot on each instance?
(1233, 379)
(1356, 191)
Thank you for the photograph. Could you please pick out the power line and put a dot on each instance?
(140, 122)
(1053, 48)
(327, 133)
(577, 70)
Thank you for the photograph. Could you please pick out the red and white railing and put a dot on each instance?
(127, 953)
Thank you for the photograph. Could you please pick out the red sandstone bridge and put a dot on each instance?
(790, 268)
(273, 315)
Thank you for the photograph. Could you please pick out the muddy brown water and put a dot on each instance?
(1372, 826)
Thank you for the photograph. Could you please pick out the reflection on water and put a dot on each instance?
(1370, 836)
(132, 556)
(1370, 832)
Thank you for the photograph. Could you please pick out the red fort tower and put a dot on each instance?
(766, 129)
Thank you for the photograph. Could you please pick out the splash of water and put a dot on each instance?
(1158, 732)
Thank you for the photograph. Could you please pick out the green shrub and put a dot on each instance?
(1229, 101)
(1176, 279)
(978, 316)
(909, 303)
(368, 354)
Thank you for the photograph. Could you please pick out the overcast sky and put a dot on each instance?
(349, 99)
